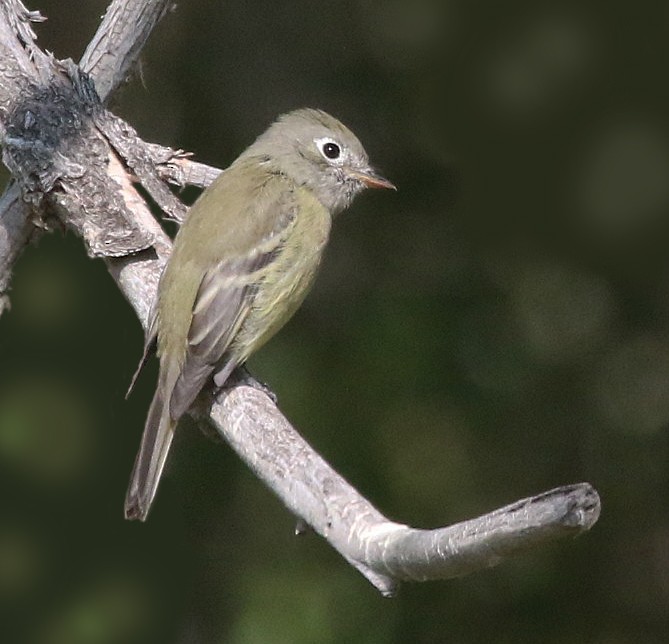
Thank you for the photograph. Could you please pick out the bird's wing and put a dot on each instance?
(223, 301)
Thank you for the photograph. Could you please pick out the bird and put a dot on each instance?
(241, 264)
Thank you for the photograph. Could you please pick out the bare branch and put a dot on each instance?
(17, 41)
(418, 555)
(384, 551)
(116, 46)
(143, 160)
(26, 61)
(15, 230)
(182, 171)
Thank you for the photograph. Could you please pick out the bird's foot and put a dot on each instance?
(241, 376)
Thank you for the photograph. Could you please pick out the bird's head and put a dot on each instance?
(317, 151)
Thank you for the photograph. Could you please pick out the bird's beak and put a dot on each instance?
(371, 179)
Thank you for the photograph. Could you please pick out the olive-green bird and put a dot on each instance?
(241, 264)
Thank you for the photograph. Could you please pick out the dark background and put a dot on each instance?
(497, 327)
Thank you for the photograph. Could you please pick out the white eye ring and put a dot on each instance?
(330, 149)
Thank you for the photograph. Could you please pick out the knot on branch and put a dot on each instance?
(43, 132)
(54, 148)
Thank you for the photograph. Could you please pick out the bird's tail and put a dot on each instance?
(150, 460)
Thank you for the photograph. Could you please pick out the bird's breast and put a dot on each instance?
(289, 275)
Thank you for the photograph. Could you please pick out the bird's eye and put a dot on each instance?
(331, 150)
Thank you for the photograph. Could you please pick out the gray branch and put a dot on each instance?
(112, 52)
(26, 62)
(115, 48)
(74, 161)
(384, 551)
(15, 231)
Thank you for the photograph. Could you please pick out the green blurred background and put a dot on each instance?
(497, 327)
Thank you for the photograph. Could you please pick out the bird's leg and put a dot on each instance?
(241, 376)
(209, 394)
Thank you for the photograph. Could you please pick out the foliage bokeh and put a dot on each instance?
(495, 328)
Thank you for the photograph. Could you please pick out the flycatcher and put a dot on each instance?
(241, 264)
